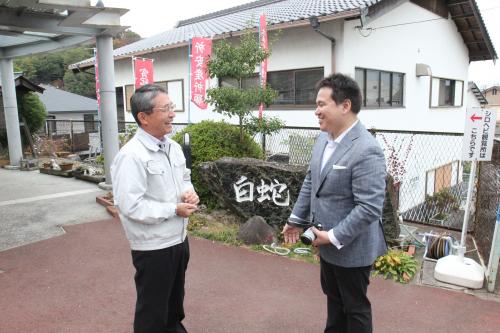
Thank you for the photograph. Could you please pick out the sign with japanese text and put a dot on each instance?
(263, 66)
(274, 191)
(201, 50)
(143, 72)
(479, 134)
(97, 84)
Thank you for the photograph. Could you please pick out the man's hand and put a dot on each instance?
(185, 209)
(190, 197)
(291, 234)
(321, 237)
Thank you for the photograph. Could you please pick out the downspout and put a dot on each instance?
(313, 21)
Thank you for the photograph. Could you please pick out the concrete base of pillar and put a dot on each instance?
(105, 186)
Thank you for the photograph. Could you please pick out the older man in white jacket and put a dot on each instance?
(153, 193)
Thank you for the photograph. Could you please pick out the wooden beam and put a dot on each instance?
(457, 2)
(475, 42)
(460, 16)
(470, 30)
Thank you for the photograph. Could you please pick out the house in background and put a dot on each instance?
(64, 105)
(492, 94)
(23, 86)
(410, 57)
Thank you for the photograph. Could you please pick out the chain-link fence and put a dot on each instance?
(429, 177)
(83, 136)
(487, 201)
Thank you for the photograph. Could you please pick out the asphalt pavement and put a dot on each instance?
(80, 279)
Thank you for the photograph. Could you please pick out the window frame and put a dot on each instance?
(391, 85)
(89, 125)
(166, 82)
(295, 106)
(454, 91)
(289, 106)
(130, 89)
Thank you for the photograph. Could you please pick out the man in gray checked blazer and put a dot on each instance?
(344, 191)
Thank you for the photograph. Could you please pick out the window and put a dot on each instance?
(444, 176)
(246, 83)
(446, 92)
(51, 124)
(88, 123)
(129, 91)
(295, 87)
(175, 90)
(494, 91)
(380, 89)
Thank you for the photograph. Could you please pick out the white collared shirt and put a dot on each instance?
(332, 145)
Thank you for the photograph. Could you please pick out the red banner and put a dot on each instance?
(143, 72)
(201, 50)
(263, 66)
(97, 84)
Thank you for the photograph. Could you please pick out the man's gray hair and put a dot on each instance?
(142, 99)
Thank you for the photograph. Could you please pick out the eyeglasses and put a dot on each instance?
(169, 108)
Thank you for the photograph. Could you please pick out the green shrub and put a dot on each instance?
(396, 264)
(33, 110)
(210, 141)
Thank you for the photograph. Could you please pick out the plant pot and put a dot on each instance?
(62, 153)
(66, 166)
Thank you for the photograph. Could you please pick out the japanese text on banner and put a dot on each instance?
(263, 66)
(143, 72)
(201, 51)
(97, 84)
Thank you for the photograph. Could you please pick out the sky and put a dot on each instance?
(150, 17)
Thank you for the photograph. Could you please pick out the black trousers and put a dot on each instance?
(159, 281)
(349, 310)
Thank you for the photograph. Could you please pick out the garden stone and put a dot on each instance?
(224, 180)
(256, 231)
(251, 187)
(279, 158)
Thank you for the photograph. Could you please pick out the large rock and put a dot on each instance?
(251, 187)
(256, 231)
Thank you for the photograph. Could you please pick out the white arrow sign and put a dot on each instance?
(479, 134)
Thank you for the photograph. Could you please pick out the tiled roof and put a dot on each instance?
(238, 18)
(58, 100)
(286, 11)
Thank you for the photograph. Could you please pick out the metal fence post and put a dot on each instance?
(491, 273)
(264, 144)
(71, 135)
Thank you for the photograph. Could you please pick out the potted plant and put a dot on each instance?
(90, 173)
(441, 203)
(66, 166)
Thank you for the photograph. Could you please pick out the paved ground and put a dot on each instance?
(33, 206)
(82, 281)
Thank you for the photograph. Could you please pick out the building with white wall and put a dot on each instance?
(410, 57)
(441, 36)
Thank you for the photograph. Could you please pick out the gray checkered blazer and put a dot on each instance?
(347, 196)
